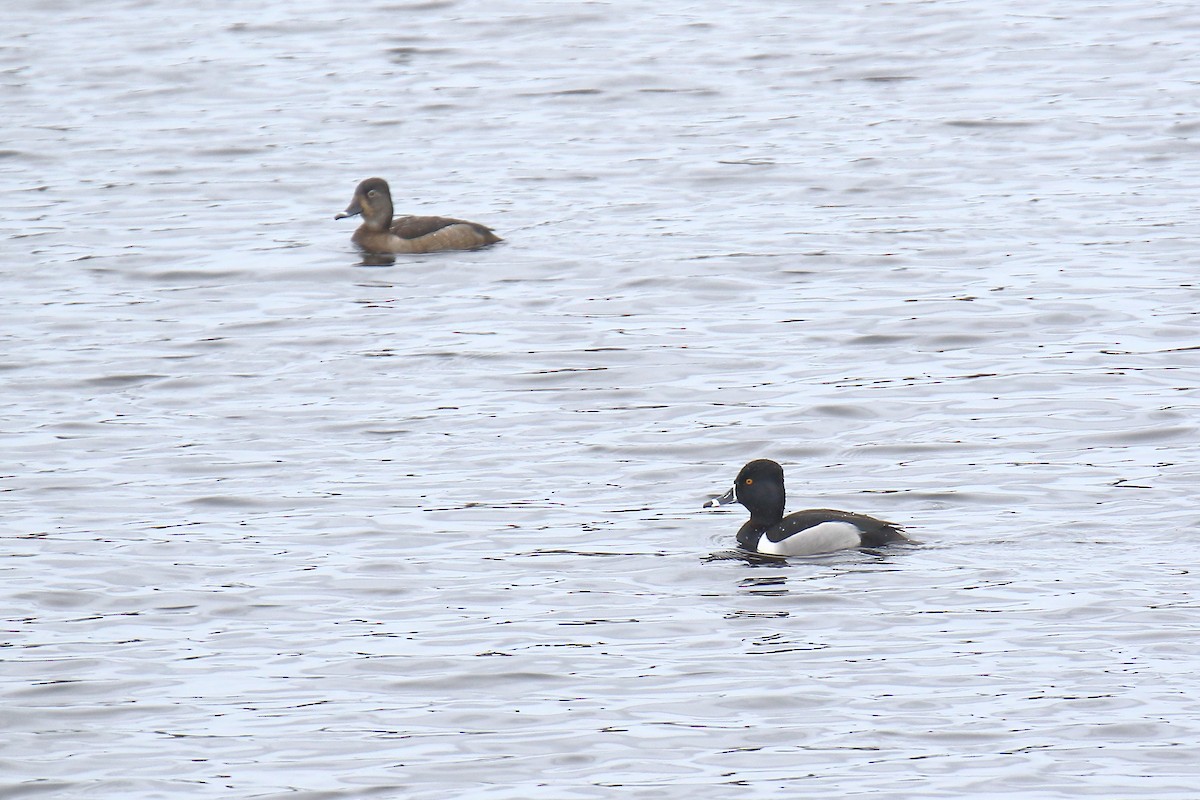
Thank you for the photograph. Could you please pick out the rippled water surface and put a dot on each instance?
(278, 524)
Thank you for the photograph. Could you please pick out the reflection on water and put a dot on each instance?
(773, 586)
(376, 260)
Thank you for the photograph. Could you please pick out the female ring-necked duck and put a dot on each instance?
(759, 487)
(380, 234)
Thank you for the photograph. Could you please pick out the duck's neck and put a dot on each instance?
(380, 218)
(768, 508)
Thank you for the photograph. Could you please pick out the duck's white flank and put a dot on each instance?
(824, 538)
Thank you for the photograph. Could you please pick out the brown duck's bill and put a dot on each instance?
(723, 500)
(353, 210)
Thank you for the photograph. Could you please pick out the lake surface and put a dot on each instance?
(279, 524)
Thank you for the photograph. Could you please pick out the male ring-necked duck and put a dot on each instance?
(759, 487)
(380, 234)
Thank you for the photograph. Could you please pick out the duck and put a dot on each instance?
(380, 234)
(759, 487)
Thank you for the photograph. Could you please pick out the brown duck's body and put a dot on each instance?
(379, 233)
(423, 235)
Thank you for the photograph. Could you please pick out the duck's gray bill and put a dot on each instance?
(723, 500)
(353, 211)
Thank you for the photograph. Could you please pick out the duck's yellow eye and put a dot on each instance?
(372, 193)
(748, 481)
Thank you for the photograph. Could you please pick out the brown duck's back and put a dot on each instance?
(410, 227)
(426, 235)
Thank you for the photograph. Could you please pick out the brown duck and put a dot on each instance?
(379, 233)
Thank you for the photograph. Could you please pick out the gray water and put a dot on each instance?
(281, 525)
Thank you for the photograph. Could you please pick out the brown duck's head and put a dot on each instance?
(372, 199)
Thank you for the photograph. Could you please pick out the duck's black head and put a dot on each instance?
(759, 487)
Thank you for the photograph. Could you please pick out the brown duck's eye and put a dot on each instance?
(373, 193)
(748, 481)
